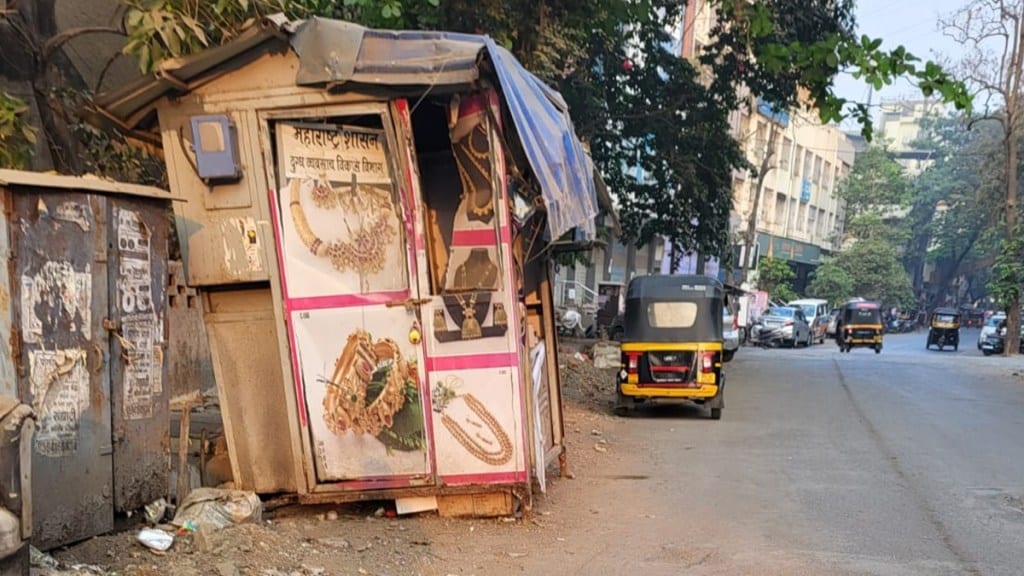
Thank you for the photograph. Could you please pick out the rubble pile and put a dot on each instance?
(582, 381)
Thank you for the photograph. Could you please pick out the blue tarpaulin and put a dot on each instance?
(333, 52)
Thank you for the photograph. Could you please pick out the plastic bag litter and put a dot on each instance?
(214, 508)
(156, 539)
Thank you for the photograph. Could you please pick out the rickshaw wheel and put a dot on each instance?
(716, 413)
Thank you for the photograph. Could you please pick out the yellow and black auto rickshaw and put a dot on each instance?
(859, 326)
(944, 329)
(672, 342)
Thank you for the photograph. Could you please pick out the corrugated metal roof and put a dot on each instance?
(82, 183)
(333, 52)
(131, 105)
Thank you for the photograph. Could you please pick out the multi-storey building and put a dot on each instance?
(900, 129)
(799, 216)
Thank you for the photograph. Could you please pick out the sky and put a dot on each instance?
(912, 23)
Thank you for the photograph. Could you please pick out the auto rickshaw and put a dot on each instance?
(672, 342)
(859, 326)
(944, 329)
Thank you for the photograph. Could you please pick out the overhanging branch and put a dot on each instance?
(60, 39)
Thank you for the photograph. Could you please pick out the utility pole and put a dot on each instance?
(762, 172)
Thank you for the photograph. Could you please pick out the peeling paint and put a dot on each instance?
(242, 257)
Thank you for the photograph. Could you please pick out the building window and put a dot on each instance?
(797, 158)
(817, 169)
(801, 217)
(780, 209)
(821, 222)
(812, 220)
(827, 177)
(808, 164)
(787, 145)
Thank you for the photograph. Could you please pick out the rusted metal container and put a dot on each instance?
(82, 309)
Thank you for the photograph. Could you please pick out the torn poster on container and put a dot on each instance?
(60, 395)
(79, 213)
(57, 297)
(141, 330)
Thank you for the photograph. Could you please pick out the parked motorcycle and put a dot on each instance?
(763, 337)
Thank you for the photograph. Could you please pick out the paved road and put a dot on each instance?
(910, 462)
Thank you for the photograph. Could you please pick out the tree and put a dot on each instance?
(992, 33)
(876, 272)
(634, 100)
(17, 137)
(957, 199)
(774, 277)
(877, 184)
(832, 282)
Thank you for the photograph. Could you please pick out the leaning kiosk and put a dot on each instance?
(368, 217)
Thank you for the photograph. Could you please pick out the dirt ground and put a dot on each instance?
(366, 539)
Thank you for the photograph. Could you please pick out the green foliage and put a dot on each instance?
(779, 49)
(17, 137)
(1008, 272)
(634, 100)
(876, 273)
(774, 277)
(876, 184)
(832, 282)
(955, 216)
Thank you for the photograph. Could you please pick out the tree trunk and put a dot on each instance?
(762, 173)
(1013, 305)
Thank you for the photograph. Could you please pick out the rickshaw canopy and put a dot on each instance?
(674, 308)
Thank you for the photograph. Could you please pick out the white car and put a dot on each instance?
(989, 327)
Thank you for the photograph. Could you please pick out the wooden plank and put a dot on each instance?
(479, 505)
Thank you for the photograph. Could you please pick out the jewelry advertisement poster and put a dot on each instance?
(362, 393)
(340, 219)
(476, 422)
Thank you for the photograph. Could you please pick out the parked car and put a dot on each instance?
(730, 334)
(816, 312)
(833, 321)
(989, 328)
(795, 329)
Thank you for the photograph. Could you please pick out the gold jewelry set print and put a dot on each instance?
(479, 431)
(470, 301)
(365, 250)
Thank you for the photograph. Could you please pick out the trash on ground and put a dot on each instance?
(214, 508)
(155, 511)
(156, 539)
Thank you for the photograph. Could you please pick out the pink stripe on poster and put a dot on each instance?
(300, 393)
(495, 478)
(379, 484)
(345, 300)
(465, 238)
(474, 361)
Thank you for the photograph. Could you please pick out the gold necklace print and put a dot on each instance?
(479, 449)
(365, 251)
(478, 159)
(470, 325)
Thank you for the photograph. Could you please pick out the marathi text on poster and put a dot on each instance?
(336, 153)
